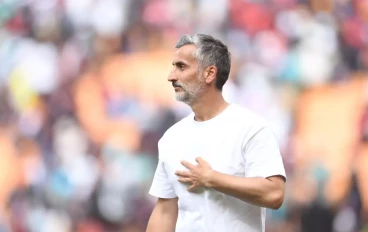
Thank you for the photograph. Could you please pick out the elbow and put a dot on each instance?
(276, 204)
(276, 199)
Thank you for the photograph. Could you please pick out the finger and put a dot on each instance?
(187, 165)
(200, 160)
(185, 180)
(192, 188)
(183, 173)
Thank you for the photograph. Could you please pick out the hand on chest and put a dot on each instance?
(221, 150)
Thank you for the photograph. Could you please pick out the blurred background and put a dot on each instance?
(84, 99)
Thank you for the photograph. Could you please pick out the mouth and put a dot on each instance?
(177, 87)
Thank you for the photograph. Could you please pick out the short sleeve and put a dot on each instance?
(161, 186)
(262, 155)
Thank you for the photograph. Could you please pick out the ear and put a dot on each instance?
(210, 74)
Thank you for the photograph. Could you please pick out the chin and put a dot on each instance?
(180, 97)
(183, 97)
(182, 100)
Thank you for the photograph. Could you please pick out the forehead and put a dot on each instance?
(185, 53)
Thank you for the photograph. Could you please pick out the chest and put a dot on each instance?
(220, 147)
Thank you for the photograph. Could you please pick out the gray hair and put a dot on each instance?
(210, 51)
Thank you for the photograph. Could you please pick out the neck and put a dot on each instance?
(208, 106)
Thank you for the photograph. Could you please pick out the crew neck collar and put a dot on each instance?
(213, 119)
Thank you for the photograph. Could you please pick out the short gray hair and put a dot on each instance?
(210, 51)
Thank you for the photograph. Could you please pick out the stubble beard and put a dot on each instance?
(190, 92)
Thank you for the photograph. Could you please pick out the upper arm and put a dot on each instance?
(262, 155)
(278, 191)
(167, 205)
(161, 186)
(164, 215)
(279, 182)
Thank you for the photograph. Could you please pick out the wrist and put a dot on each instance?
(209, 180)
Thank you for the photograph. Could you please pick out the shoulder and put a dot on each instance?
(247, 118)
(251, 125)
(255, 129)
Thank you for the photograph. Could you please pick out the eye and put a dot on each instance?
(179, 65)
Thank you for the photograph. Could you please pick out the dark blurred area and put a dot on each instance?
(84, 99)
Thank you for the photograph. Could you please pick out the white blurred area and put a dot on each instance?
(84, 99)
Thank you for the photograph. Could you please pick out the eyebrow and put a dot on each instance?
(179, 63)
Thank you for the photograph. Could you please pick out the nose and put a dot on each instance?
(172, 77)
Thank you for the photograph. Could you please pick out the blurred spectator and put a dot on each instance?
(84, 100)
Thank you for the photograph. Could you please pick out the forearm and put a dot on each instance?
(258, 191)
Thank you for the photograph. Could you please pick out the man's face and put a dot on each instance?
(185, 78)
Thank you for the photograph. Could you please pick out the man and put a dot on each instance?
(220, 167)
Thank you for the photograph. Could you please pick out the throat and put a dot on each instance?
(204, 110)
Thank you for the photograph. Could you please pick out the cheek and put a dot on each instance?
(194, 78)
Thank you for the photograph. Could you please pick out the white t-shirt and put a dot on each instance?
(236, 142)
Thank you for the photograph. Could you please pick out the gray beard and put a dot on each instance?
(184, 97)
(190, 92)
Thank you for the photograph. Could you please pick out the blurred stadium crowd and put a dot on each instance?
(84, 98)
